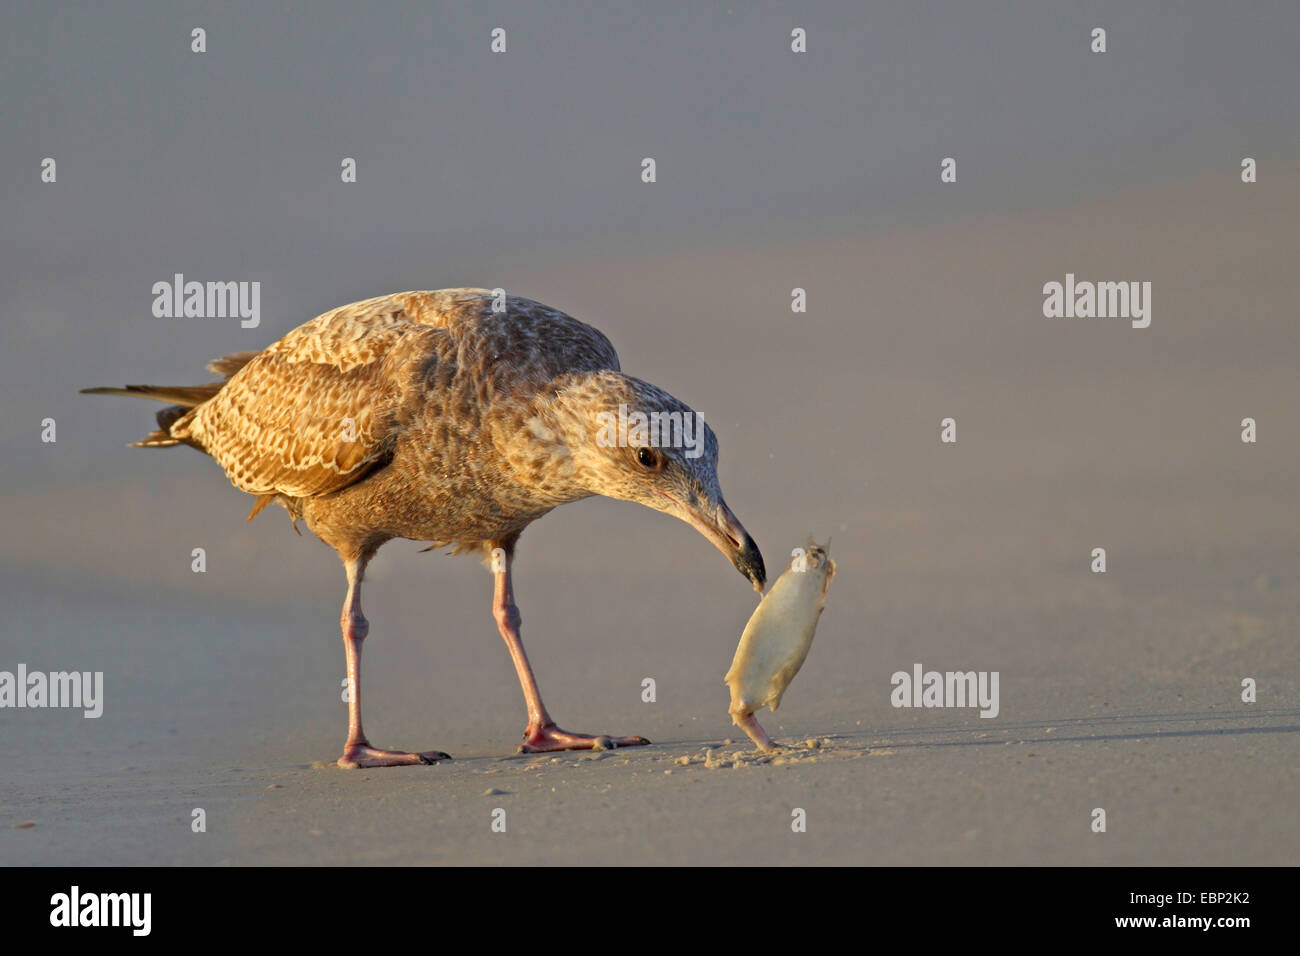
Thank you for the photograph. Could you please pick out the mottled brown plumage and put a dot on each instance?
(455, 417)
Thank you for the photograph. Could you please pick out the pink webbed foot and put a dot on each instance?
(363, 755)
(545, 738)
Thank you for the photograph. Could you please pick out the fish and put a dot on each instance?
(776, 640)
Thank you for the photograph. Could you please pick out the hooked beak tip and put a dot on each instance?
(746, 556)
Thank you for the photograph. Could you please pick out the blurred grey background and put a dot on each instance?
(775, 170)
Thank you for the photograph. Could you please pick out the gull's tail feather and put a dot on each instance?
(186, 396)
(181, 398)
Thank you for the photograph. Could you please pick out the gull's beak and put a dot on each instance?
(728, 536)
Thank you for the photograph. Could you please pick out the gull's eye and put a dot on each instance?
(649, 459)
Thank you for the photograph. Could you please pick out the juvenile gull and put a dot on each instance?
(427, 415)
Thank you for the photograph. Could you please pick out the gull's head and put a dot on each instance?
(635, 442)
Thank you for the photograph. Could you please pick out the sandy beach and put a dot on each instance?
(1118, 690)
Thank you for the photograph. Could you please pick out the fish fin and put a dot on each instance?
(262, 502)
(155, 439)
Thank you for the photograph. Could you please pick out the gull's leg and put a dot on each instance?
(542, 734)
(357, 752)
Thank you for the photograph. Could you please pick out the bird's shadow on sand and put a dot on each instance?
(1091, 729)
(881, 741)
